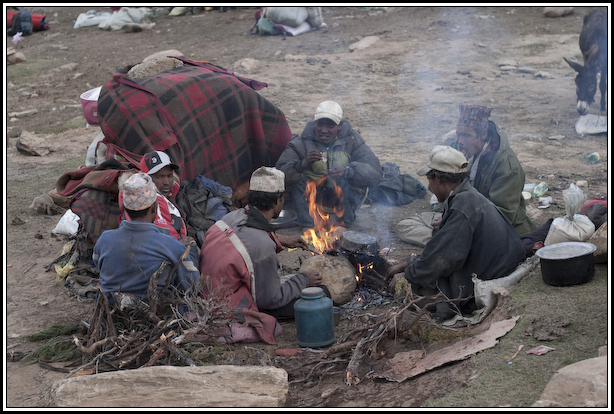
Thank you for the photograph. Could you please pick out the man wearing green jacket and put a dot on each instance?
(494, 169)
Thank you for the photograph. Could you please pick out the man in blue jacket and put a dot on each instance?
(128, 256)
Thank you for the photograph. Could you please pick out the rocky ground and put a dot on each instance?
(402, 92)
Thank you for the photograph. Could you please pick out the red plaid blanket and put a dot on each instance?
(210, 121)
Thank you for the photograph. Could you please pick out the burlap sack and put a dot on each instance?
(600, 239)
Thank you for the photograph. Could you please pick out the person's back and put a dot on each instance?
(128, 256)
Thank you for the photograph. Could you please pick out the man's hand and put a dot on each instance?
(314, 278)
(293, 241)
(311, 157)
(397, 268)
(336, 172)
(436, 223)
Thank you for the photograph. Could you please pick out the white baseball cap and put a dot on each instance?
(331, 110)
(445, 159)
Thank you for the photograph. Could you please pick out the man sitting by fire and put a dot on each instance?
(334, 158)
(474, 238)
(240, 255)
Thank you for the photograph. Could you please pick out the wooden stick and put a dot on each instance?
(90, 349)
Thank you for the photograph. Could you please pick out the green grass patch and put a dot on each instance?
(58, 329)
(208, 355)
(18, 73)
(522, 382)
(58, 129)
(57, 349)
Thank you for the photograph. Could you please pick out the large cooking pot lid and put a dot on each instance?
(359, 238)
(567, 250)
(355, 241)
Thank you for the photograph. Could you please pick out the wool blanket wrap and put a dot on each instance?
(208, 120)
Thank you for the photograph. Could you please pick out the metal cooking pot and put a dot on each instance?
(566, 264)
(355, 241)
(285, 220)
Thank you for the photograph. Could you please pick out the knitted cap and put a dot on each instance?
(445, 159)
(474, 116)
(139, 192)
(268, 180)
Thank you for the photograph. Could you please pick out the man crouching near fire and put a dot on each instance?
(239, 255)
(474, 237)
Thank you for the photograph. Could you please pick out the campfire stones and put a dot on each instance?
(338, 275)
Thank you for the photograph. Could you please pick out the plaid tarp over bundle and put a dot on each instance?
(210, 121)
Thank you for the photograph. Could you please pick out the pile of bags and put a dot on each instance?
(290, 21)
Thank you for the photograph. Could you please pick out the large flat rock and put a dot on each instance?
(168, 386)
(582, 384)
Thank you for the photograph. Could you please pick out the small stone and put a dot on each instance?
(38, 236)
(22, 114)
(363, 43)
(557, 11)
(507, 67)
(557, 137)
(327, 393)
(507, 62)
(544, 75)
(582, 183)
(17, 221)
(550, 177)
(525, 69)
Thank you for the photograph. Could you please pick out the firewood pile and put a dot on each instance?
(133, 334)
(360, 345)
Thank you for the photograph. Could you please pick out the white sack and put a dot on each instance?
(91, 18)
(68, 224)
(580, 229)
(288, 16)
(127, 15)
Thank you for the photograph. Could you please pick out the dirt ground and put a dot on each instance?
(402, 93)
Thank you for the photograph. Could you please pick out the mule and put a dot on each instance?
(594, 47)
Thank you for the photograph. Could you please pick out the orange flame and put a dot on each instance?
(360, 270)
(324, 232)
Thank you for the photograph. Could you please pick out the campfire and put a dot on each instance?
(328, 236)
(324, 232)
